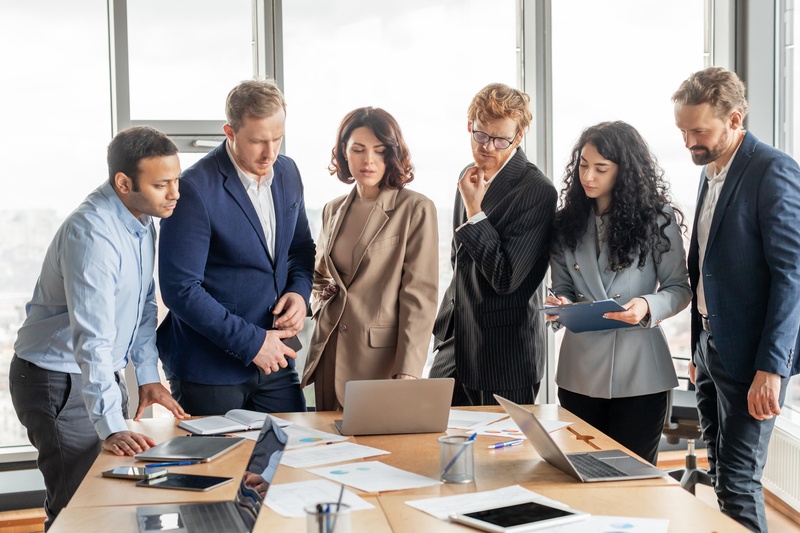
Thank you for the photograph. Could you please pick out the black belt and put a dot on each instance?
(706, 323)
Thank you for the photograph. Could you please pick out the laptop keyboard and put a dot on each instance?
(212, 516)
(590, 466)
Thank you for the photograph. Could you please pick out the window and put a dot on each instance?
(788, 120)
(421, 60)
(623, 61)
(57, 113)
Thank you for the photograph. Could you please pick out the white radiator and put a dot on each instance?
(782, 473)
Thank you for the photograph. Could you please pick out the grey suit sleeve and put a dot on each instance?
(674, 292)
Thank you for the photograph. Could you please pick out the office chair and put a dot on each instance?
(683, 422)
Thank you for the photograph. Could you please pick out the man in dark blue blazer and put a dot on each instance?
(489, 333)
(744, 266)
(235, 267)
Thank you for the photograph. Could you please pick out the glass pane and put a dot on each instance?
(421, 60)
(610, 63)
(180, 68)
(55, 152)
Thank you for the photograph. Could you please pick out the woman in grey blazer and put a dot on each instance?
(617, 235)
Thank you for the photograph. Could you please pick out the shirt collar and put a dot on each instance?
(136, 226)
(247, 181)
(724, 172)
(490, 180)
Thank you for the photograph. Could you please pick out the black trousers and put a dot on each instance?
(444, 366)
(277, 393)
(635, 422)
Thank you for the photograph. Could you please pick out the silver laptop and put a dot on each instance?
(202, 448)
(605, 465)
(237, 516)
(392, 406)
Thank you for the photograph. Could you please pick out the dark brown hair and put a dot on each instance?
(398, 161)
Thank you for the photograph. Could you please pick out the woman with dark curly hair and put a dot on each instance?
(377, 266)
(617, 235)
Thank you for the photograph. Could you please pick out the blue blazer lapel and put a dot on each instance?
(233, 185)
(731, 185)
(278, 190)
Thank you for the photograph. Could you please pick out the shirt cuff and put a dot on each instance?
(109, 424)
(147, 374)
(477, 217)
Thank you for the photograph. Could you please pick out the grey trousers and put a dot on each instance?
(50, 406)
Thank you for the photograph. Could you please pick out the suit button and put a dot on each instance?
(576, 266)
(343, 328)
(580, 295)
(616, 296)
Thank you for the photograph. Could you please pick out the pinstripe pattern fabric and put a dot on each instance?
(490, 307)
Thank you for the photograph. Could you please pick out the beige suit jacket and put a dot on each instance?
(384, 317)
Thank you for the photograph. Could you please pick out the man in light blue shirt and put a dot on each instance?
(93, 309)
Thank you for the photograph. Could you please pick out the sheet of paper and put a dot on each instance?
(323, 455)
(472, 419)
(606, 524)
(508, 429)
(373, 476)
(289, 499)
(443, 507)
(301, 436)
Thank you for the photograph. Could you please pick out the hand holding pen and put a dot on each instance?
(554, 300)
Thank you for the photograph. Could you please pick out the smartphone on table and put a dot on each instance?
(132, 472)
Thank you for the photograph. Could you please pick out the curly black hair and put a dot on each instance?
(637, 216)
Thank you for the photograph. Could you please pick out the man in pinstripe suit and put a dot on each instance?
(489, 333)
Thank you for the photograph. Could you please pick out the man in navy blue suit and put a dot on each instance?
(744, 266)
(235, 267)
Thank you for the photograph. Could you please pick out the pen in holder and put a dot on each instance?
(328, 517)
(456, 453)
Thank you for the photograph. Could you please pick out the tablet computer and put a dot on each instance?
(528, 516)
(185, 482)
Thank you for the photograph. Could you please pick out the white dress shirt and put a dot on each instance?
(715, 183)
(260, 194)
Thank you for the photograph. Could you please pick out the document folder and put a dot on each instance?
(587, 316)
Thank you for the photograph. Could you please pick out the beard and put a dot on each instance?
(708, 155)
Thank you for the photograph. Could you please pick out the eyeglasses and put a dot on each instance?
(501, 143)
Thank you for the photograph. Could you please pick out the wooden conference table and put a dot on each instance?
(104, 504)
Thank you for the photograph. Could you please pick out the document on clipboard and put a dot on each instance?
(587, 316)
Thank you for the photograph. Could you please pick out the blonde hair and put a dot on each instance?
(498, 100)
(253, 98)
(716, 86)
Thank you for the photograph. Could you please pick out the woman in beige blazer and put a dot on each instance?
(377, 266)
(617, 236)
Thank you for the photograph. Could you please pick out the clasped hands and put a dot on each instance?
(273, 353)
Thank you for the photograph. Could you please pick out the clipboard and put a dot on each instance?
(587, 316)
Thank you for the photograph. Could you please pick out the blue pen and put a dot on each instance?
(458, 454)
(175, 463)
(505, 444)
